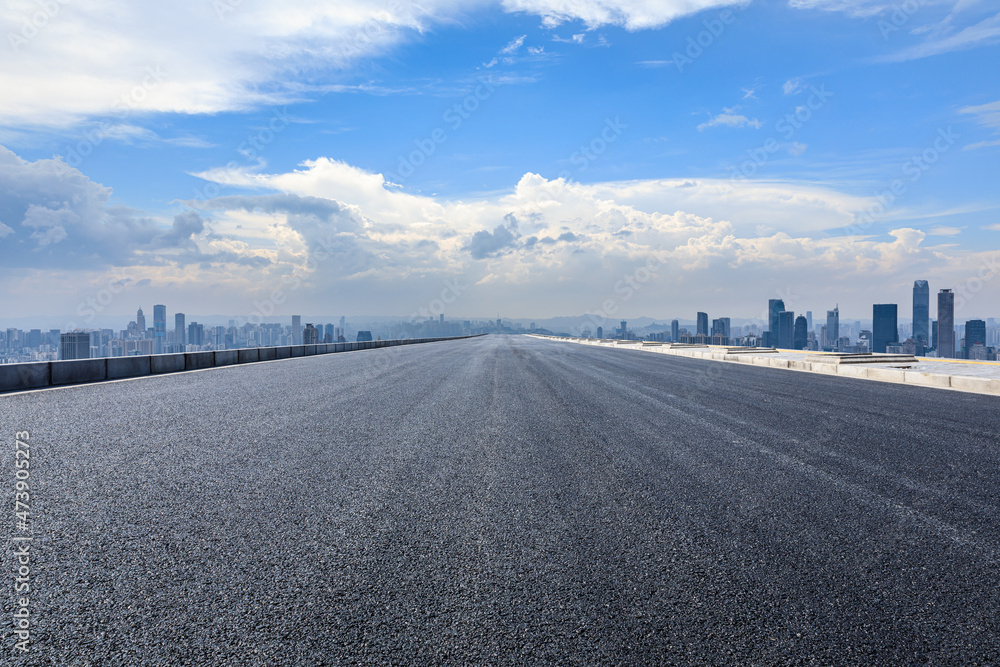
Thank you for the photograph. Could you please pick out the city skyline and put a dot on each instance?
(538, 154)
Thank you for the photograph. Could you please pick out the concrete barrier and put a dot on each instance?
(267, 353)
(197, 360)
(78, 370)
(284, 352)
(227, 357)
(167, 363)
(125, 367)
(17, 377)
(308, 350)
(249, 355)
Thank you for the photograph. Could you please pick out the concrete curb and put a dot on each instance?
(38, 375)
(966, 383)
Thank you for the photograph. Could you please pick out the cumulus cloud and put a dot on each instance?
(729, 118)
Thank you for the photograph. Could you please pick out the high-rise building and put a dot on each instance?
(296, 330)
(885, 330)
(800, 335)
(832, 328)
(809, 321)
(179, 329)
(310, 335)
(786, 329)
(921, 311)
(140, 323)
(721, 327)
(946, 324)
(675, 331)
(600, 332)
(159, 328)
(74, 345)
(774, 306)
(975, 334)
(702, 327)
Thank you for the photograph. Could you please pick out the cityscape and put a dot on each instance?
(884, 333)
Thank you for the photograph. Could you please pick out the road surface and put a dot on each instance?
(506, 500)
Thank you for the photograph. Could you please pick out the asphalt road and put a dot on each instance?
(506, 500)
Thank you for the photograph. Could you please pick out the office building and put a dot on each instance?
(310, 335)
(809, 321)
(179, 330)
(721, 327)
(364, 336)
(975, 334)
(885, 330)
(774, 307)
(832, 328)
(946, 324)
(786, 329)
(600, 332)
(74, 345)
(702, 327)
(140, 323)
(296, 330)
(921, 312)
(675, 331)
(800, 333)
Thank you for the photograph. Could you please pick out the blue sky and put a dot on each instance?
(355, 156)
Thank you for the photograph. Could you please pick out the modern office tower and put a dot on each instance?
(884, 326)
(800, 333)
(364, 336)
(140, 323)
(159, 328)
(702, 327)
(296, 330)
(310, 335)
(809, 321)
(441, 318)
(623, 330)
(946, 324)
(786, 329)
(921, 311)
(675, 331)
(833, 328)
(600, 332)
(74, 345)
(196, 334)
(774, 306)
(179, 337)
(328, 333)
(720, 327)
(975, 334)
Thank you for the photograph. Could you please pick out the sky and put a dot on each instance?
(530, 158)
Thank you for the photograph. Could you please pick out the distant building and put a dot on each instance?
(310, 335)
(946, 324)
(774, 307)
(702, 324)
(832, 328)
(675, 331)
(885, 330)
(921, 312)
(809, 321)
(140, 323)
(74, 345)
(159, 328)
(600, 332)
(800, 334)
(721, 327)
(296, 330)
(623, 330)
(975, 334)
(179, 330)
(786, 329)
(364, 336)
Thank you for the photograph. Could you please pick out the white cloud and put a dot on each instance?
(944, 230)
(792, 87)
(632, 14)
(730, 119)
(983, 33)
(513, 45)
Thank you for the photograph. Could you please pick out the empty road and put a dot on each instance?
(506, 500)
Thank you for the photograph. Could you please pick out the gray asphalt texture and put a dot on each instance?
(507, 500)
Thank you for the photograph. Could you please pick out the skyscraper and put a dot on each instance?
(884, 326)
(975, 334)
(809, 322)
(774, 306)
(74, 345)
(159, 328)
(600, 332)
(310, 335)
(721, 327)
(296, 330)
(702, 324)
(179, 333)
(786, 329)
(140, 323)
(921, 311)
(800, 335)
(833, 327)
(675, 331)
(946, 324)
